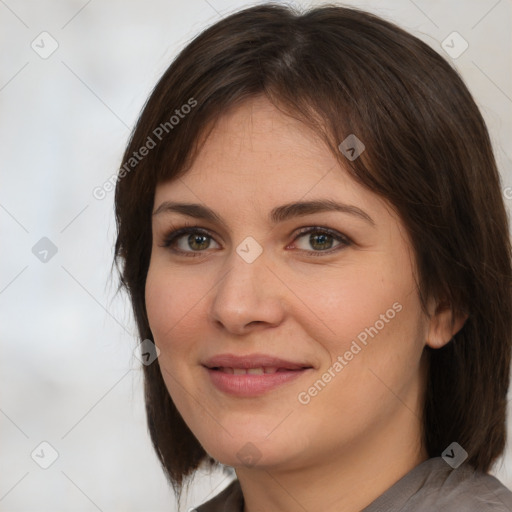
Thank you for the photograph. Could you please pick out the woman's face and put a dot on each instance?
(331, 293)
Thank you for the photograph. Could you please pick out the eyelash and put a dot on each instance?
(175, 233)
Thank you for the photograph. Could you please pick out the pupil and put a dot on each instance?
(193, 239)
(320, 239)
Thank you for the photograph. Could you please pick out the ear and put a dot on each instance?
(443, 325)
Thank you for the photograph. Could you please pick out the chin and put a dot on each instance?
(246, 451)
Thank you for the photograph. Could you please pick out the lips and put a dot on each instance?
(253, 361)
(251, 371)
(252, 375)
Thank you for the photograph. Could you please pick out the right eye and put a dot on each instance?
(188, 240)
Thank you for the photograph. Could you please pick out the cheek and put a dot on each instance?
(380, 359)
(171, 299)
(159, 304)
(347, 299)
(369, 315)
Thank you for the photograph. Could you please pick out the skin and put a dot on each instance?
(362, 432)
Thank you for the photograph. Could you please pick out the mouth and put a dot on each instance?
(253, 371)
(252, 375)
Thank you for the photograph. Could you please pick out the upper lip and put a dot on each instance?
(252, 361)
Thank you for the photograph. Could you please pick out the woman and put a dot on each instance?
(312, 233)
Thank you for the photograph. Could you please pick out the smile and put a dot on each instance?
(252, 382)
(252, 375)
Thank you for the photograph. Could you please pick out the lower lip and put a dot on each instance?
(248, 385)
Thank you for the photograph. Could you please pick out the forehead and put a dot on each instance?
(256, 152)
(257, 133)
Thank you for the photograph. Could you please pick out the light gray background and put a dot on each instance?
(68, 374)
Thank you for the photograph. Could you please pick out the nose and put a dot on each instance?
(249, 296)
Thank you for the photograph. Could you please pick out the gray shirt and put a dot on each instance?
(432, 486)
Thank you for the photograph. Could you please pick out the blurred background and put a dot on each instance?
(74, 75)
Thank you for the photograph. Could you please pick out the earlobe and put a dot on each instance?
(443, 325)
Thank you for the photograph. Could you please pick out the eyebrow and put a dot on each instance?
(278, 214)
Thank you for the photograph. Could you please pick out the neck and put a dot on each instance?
(346, 480)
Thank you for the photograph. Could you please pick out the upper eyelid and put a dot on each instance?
(298, 231)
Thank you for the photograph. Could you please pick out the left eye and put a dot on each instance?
(322, 240)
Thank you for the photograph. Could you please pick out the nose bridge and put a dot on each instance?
(246, 294)
(243, 279)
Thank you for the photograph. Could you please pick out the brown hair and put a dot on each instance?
(342, 71)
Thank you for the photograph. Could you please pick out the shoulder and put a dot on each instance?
(466, 490)
(228, 500)
(434, 485)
